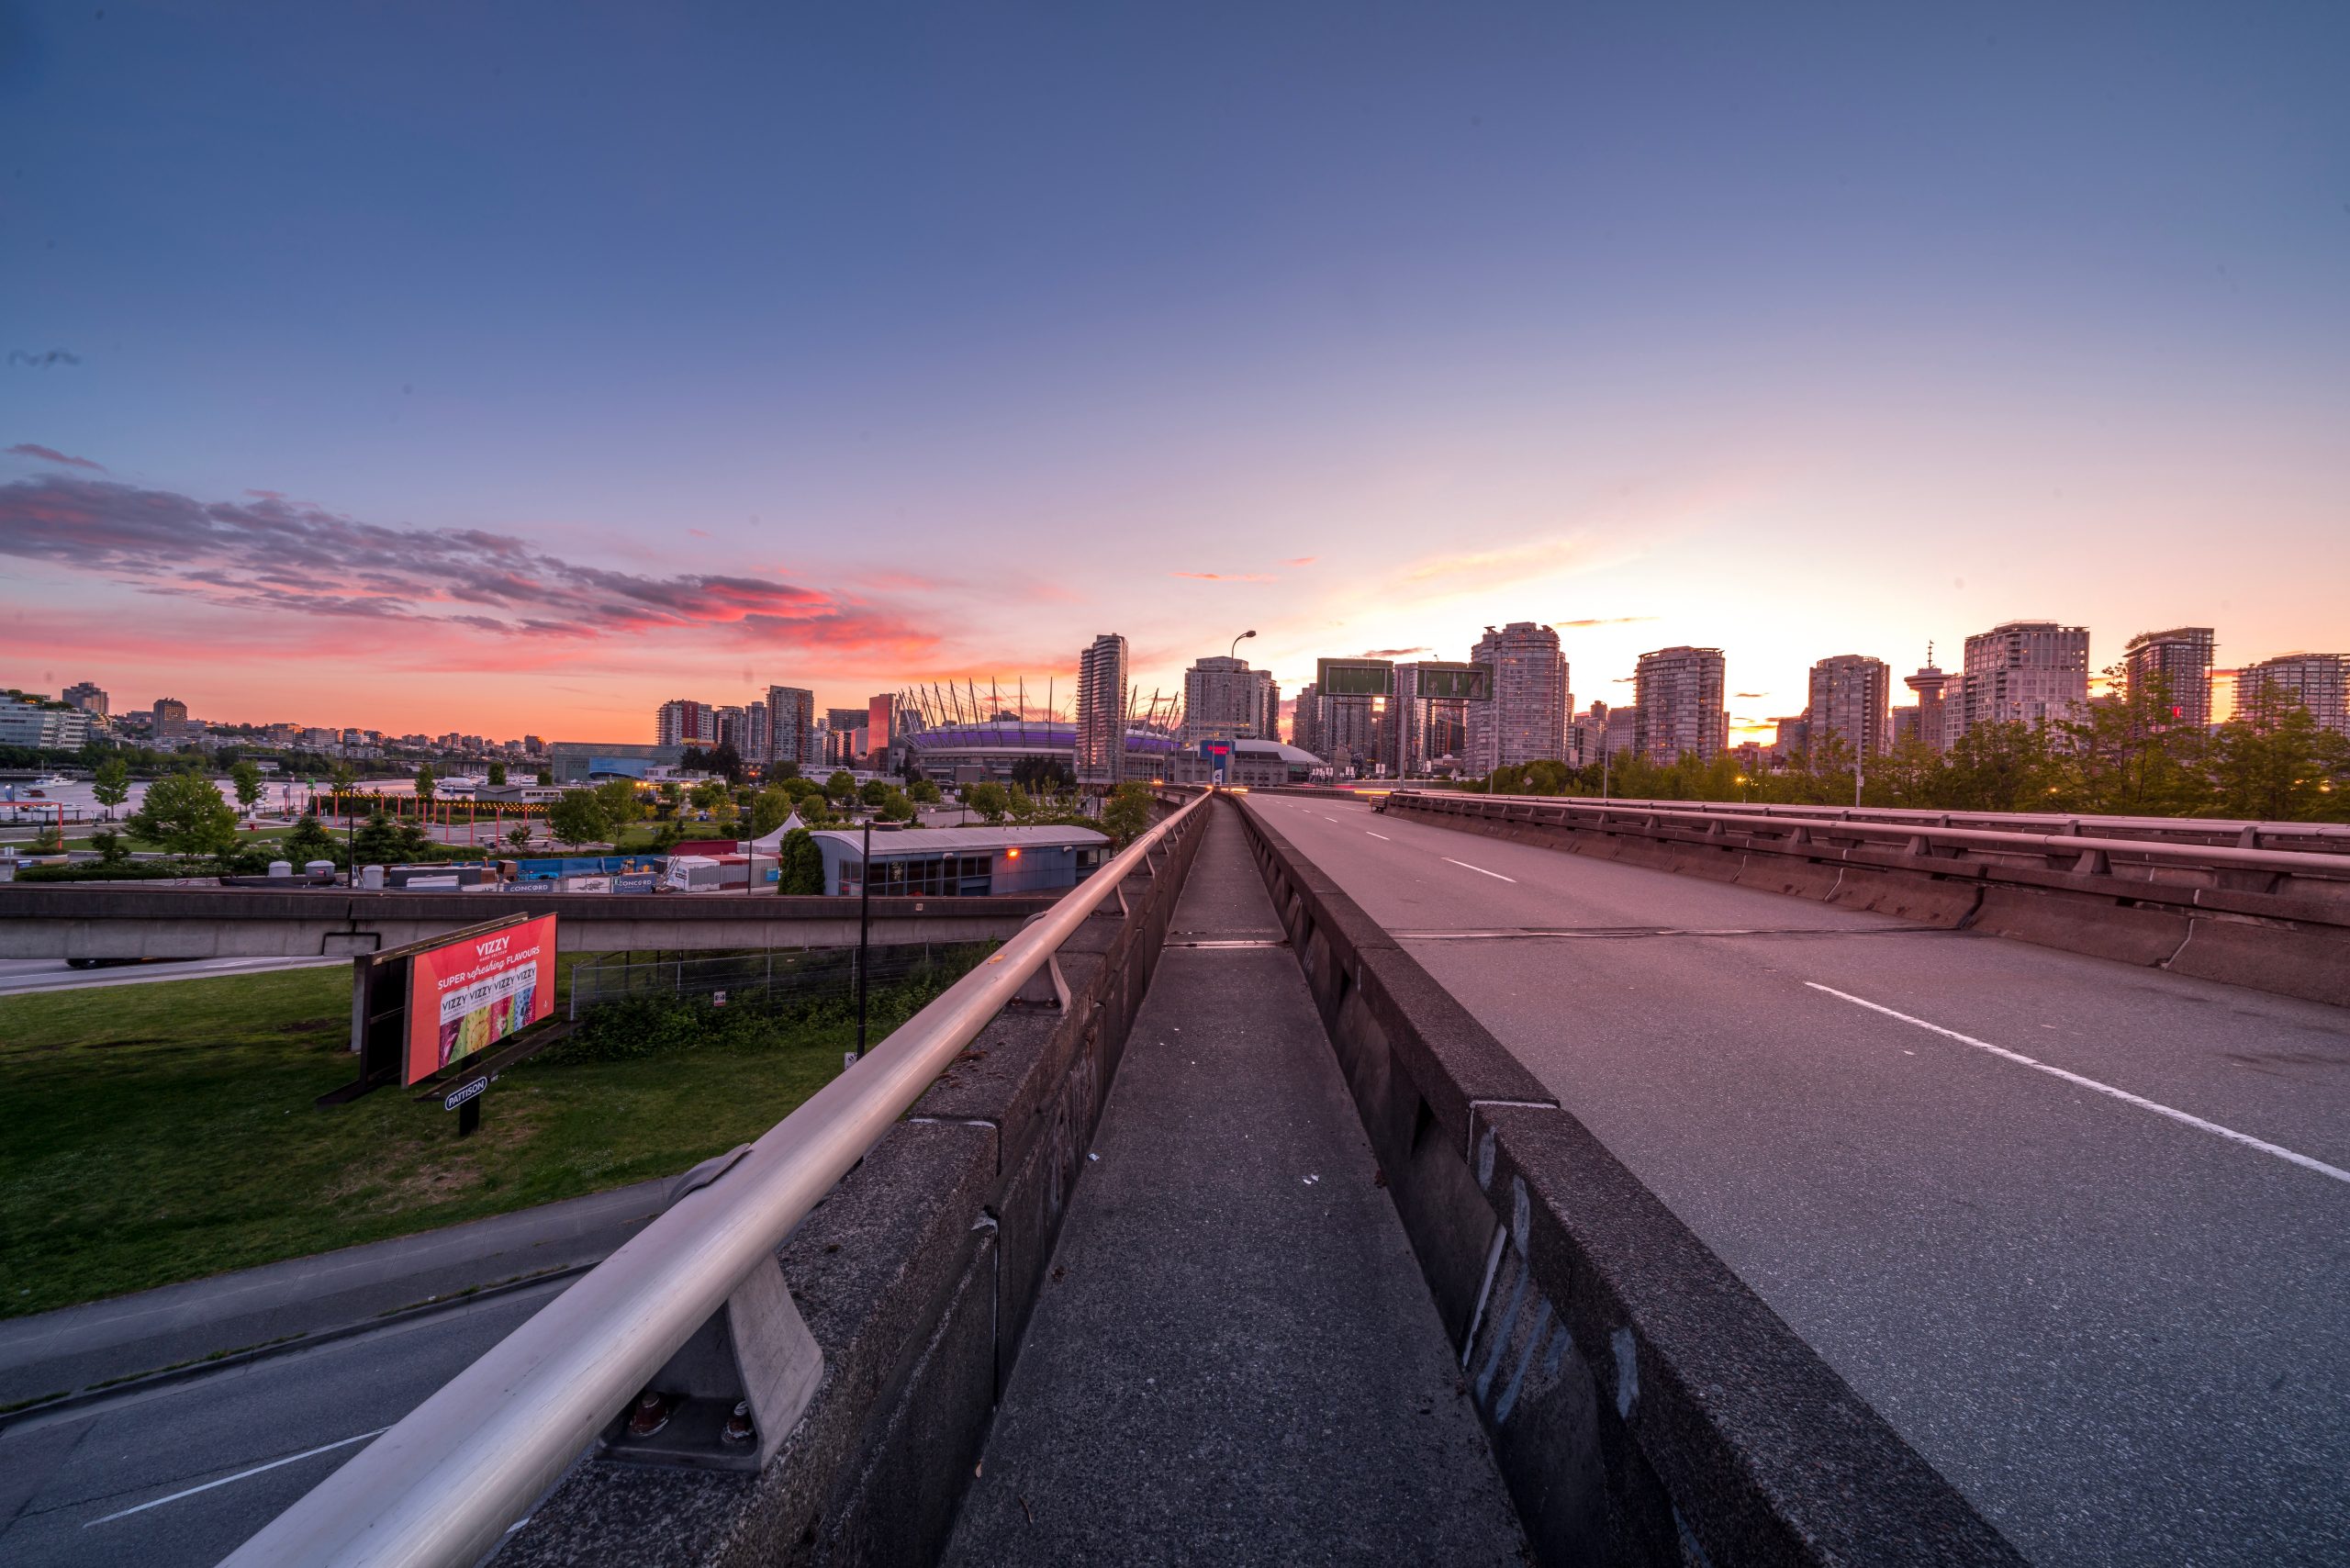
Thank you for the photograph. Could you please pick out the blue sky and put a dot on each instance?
(588, 356)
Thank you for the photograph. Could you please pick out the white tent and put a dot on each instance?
(773, 842)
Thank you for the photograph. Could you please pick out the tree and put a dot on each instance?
(874, 793)
(310, 841)
(379, 841)
(425, 783)
(783, 770)
(725, 760)
(109, 846)
(578, 818)
(813, 810)
(49, 840)
(519, 835)
(896, 808)
(111, 784)
(246, 779)
(1126, 813)
(2275, 764)
(620, 804)
(496, 773)
(841, 786)
(546, 775)
(924, 792)
(988, 799)
(705, 795)
(1042, 774)
(186, 815)
(770, 809)
(803, 863)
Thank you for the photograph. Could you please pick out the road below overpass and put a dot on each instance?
(176, 1477)
(2080, 1231)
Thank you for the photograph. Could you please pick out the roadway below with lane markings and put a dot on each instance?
(178, 1477)
(2079, 1230)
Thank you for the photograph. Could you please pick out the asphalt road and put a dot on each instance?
(18, 976)
(2080, 1230)
(180, 1476)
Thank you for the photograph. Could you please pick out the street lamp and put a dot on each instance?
(1234, 649)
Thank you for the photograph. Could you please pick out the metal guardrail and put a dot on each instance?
(2092, 853)
(2322, 837)
(442, 1486)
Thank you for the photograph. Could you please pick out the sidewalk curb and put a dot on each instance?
(99, 1394)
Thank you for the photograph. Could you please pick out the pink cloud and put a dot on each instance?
(1224, 576)
(293, 558)
(50, 455)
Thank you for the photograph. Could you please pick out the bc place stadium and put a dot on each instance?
(964, 736)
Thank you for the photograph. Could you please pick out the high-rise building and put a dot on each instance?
(1224, 699)
(1929, 718)
(1102, 710)
(1351, 734)
(1305, 721)
(791, 726)
(2179, 662)
(683, 721)
(884, 742)
(2318, 682)
(1850, 699)
(2026, 672)
(172, 727)
(86, 695)
(1527, 719)
(1588, 736)
(1791, 739)
(1679, 697)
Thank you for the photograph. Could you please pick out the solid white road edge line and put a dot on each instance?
(1381, 836)
(256, 1470)
(1464, 864)
(2139, 1101)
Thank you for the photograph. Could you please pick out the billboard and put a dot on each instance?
(468, 994)
(1354, 678)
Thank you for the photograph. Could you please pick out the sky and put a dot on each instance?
(513, 369)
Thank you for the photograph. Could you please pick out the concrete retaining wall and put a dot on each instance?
(916, 1277)
(1646, 1407)
(2271, 931)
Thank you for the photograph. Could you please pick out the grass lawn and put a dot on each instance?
(163, 1132)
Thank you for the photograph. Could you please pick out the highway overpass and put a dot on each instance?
(48, 921)
(1358, 1186)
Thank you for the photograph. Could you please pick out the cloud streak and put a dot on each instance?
(1602, 620)
(287, 557)
(1224, 576)
(50, 455)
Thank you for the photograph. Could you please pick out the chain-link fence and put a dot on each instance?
(765, 975)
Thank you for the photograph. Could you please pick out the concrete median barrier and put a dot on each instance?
(2282, 930)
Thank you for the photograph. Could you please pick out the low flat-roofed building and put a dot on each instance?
(584, 762)
(966, 862)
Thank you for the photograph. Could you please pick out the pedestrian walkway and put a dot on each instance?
(1235, 1358)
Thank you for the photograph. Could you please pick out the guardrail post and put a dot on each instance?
(733, 1391)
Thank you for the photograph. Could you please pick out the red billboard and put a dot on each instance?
(476, 991)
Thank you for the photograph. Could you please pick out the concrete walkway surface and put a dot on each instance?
(1235, 1358)
(68, 1350)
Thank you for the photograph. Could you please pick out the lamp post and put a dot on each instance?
(1233, 650)
(864, 930)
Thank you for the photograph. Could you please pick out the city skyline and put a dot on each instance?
(605, 429)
